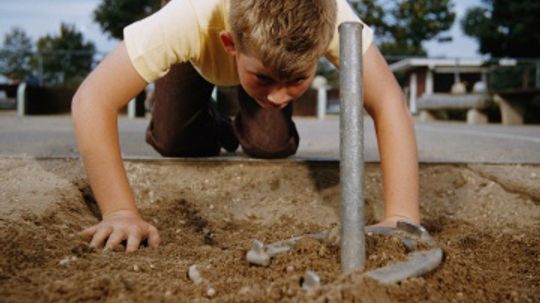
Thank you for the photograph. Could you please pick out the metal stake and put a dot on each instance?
(351, 147)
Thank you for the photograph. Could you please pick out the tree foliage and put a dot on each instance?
(114, 15)
(505, 28)
(15, 55)
(66, 59)
(401, 26)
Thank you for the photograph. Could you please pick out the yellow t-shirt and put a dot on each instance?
(188, 30)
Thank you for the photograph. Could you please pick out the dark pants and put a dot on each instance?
(185, 124)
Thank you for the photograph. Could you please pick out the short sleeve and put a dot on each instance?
(345, 13)
(169, 36)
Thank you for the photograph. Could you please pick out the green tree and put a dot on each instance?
(15, 55)
(66, 59)
(114, 15)
(505, 28)
(401, 26)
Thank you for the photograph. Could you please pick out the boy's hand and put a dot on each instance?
(119, 226)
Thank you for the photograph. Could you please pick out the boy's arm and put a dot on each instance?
(385, 102)
(95, 109)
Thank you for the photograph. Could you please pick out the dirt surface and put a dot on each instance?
(485, 217)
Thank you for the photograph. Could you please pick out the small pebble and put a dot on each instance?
(257, 255)
(290, 268)
(289, 292)
(244, 290)
(210, 292)
(65, 261)
(334, 236)
(136, 268)
(194, 275)
(311, 281)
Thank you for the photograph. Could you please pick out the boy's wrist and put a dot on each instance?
(121, 212)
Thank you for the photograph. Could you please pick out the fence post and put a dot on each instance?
(132, 108)
(321, 85)
(21, 99)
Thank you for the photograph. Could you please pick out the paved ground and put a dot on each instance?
(52, 136)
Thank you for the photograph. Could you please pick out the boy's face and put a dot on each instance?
(261, 83)
(265, 87)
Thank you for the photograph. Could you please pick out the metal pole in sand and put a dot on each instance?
(351, 147)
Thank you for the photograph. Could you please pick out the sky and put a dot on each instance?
(41, 17)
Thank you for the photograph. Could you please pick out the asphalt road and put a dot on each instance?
(440, 142)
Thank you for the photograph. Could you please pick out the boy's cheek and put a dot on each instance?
(255, 90)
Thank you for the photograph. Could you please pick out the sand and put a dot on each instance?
(485, 217)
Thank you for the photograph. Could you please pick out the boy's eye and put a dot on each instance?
(263, 78)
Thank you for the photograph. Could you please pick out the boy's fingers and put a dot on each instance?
(133, 241)
(88, 232)
(100, 236)
(153, 237)
(114, 239)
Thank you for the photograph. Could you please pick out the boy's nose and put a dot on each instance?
(279, 97)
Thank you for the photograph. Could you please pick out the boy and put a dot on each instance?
(270, 48)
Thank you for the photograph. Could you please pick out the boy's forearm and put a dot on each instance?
(97, 139)
(95, 112)
(385, 102)
(397, 149)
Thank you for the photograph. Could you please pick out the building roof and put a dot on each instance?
(440, 64)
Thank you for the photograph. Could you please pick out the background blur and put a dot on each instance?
(55, 43)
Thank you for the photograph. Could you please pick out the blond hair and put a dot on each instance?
(288, 36)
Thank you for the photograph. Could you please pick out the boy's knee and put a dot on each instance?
(267, 154)
(268, 150)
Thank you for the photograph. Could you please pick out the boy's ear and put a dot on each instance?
(228, 42)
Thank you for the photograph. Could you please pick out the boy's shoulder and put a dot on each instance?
(209, 11)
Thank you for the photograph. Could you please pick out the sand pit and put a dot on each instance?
(485, 217)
